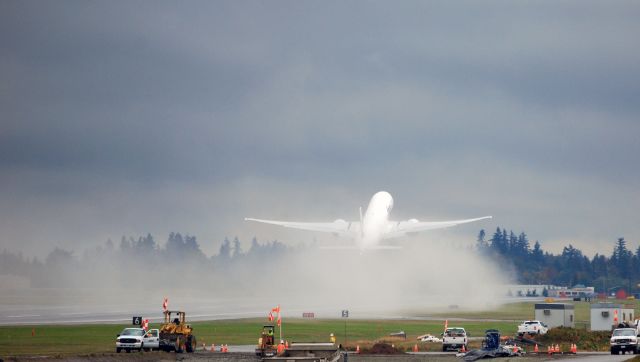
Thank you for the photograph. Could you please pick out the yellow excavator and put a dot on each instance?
(176, 334)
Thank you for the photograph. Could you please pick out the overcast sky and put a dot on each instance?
(127, 117)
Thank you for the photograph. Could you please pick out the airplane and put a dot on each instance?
(374, 225)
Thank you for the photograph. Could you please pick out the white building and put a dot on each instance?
(555, 314)
(604, 316)
(579, 291)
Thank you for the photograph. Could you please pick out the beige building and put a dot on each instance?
(605, 316)
(555, 314)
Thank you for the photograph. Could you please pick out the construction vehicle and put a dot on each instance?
(267, 346)
(176, 334)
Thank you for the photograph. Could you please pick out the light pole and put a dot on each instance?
(345, 316)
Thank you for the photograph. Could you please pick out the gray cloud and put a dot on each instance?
(153, 117)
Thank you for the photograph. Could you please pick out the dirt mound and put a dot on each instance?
(383, 348)
(586, 340)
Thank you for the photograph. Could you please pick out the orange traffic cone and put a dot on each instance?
(286, 344)
(549, 350)
(557, 348)
(415, 347)
(535, 349)
(358, 348)
(463, 349)
(213, 347)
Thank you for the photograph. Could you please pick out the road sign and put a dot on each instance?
(137, 321)
(345, 313)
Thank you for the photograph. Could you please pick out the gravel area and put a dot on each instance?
(250, 357)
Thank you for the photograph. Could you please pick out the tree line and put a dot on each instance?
(181, 255)
(140, 259)
(532, 265)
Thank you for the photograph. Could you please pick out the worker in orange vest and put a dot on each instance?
(281, 348)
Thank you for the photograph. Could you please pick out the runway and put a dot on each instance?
(76, 306)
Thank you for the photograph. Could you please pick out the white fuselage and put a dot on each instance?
(375, 221)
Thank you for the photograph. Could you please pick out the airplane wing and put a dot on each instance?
(402, 228)
(338, 227)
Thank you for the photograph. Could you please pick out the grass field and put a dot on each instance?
(74, 339)
(96, 338)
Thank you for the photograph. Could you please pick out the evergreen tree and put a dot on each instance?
(225, 250)
(254, 245)
(237, 250)
(620, 261)
(175, 245)
(513, 243)
(523, 245)
(124, 245)
(537, 255)
(192, 248)
(59, 257)
(145, 245)
(498, 243)
(481, 243)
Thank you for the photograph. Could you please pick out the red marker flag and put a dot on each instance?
(165, 304)
(276, 309)
(279, 320)
(270, 317)
(446, 324)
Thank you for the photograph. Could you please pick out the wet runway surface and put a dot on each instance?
(60, 306)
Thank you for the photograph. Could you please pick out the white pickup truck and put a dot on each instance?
(454, 338)
(137, 339)
(532, 327)
(624, 340)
